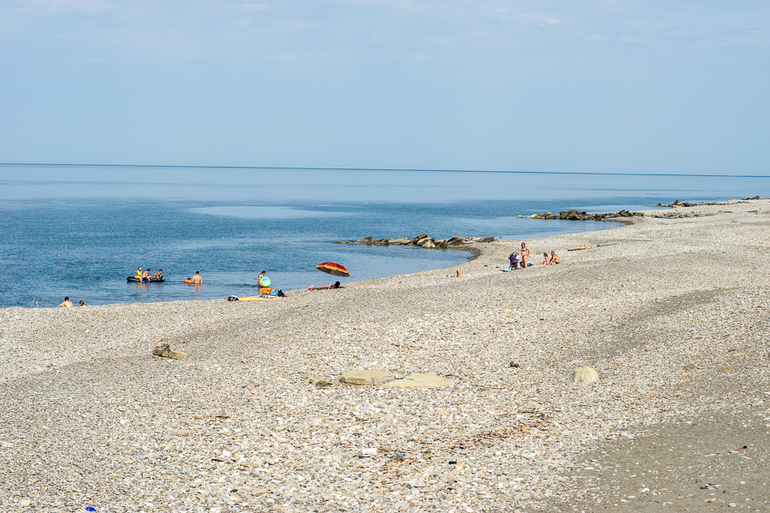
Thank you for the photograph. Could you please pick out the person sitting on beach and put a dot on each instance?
(158, 275)
(139, 273)
(197, 278)
(554, 258)
(83, 303)
(67, 303)
(545, 260)
(524, 255)
(146, 275)
(336, 285)
(259, 277)
(513, 258)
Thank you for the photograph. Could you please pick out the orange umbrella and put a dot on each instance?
(333, 269)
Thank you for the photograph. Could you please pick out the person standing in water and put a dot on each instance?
(66, 304)
(197, 280)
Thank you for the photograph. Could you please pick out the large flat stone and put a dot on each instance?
(428, 380)
(367, 378)
(584, 375)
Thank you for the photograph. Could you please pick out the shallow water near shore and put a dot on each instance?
(81, 230)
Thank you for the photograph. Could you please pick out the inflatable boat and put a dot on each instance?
(151, 280)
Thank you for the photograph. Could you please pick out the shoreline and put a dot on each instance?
(237, 426)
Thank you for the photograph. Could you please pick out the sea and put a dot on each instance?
(81, 230)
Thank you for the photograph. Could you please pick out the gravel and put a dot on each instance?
(672, 312)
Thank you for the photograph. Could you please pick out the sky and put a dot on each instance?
(547, 86)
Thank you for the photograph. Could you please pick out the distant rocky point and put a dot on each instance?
(422, 241)
(574, 215)
(677, 203)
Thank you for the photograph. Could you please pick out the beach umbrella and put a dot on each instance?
(333, 269)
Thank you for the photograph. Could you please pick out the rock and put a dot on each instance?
(513, 365)
(401, 241)
(162, 350)
(419, 238)
(381, 242)
(427, 243)
(428, 380)
(318, 382)
(584, 375)
(442, 244)
(365, 240)
(484, 239)
(363, 377)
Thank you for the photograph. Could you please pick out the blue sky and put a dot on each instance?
(600, 86)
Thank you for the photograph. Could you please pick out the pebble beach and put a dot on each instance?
(670, 310)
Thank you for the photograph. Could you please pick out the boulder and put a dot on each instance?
(162, 350)
(381, 242)
(442, 244)
(367, 378)
(419, 238)
(584, 375)
(365, 240)
(484, 239)
(428, 380)
(427, 243)
(401, 241)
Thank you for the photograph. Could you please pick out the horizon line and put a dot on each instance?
(308, 168)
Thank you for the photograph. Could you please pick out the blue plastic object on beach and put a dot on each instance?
(89, 508)
(398, 454)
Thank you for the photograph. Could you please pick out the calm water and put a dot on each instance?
(79, 231)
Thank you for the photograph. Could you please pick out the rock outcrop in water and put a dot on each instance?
(422, 241)
(574, 215)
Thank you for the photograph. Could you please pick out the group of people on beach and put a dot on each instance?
(67, 303)
(147, 275)
(522, 262)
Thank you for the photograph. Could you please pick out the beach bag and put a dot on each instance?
(232, 298)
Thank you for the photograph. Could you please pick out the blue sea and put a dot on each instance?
(79, 231)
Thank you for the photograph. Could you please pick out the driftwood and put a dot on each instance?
(579, 248)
